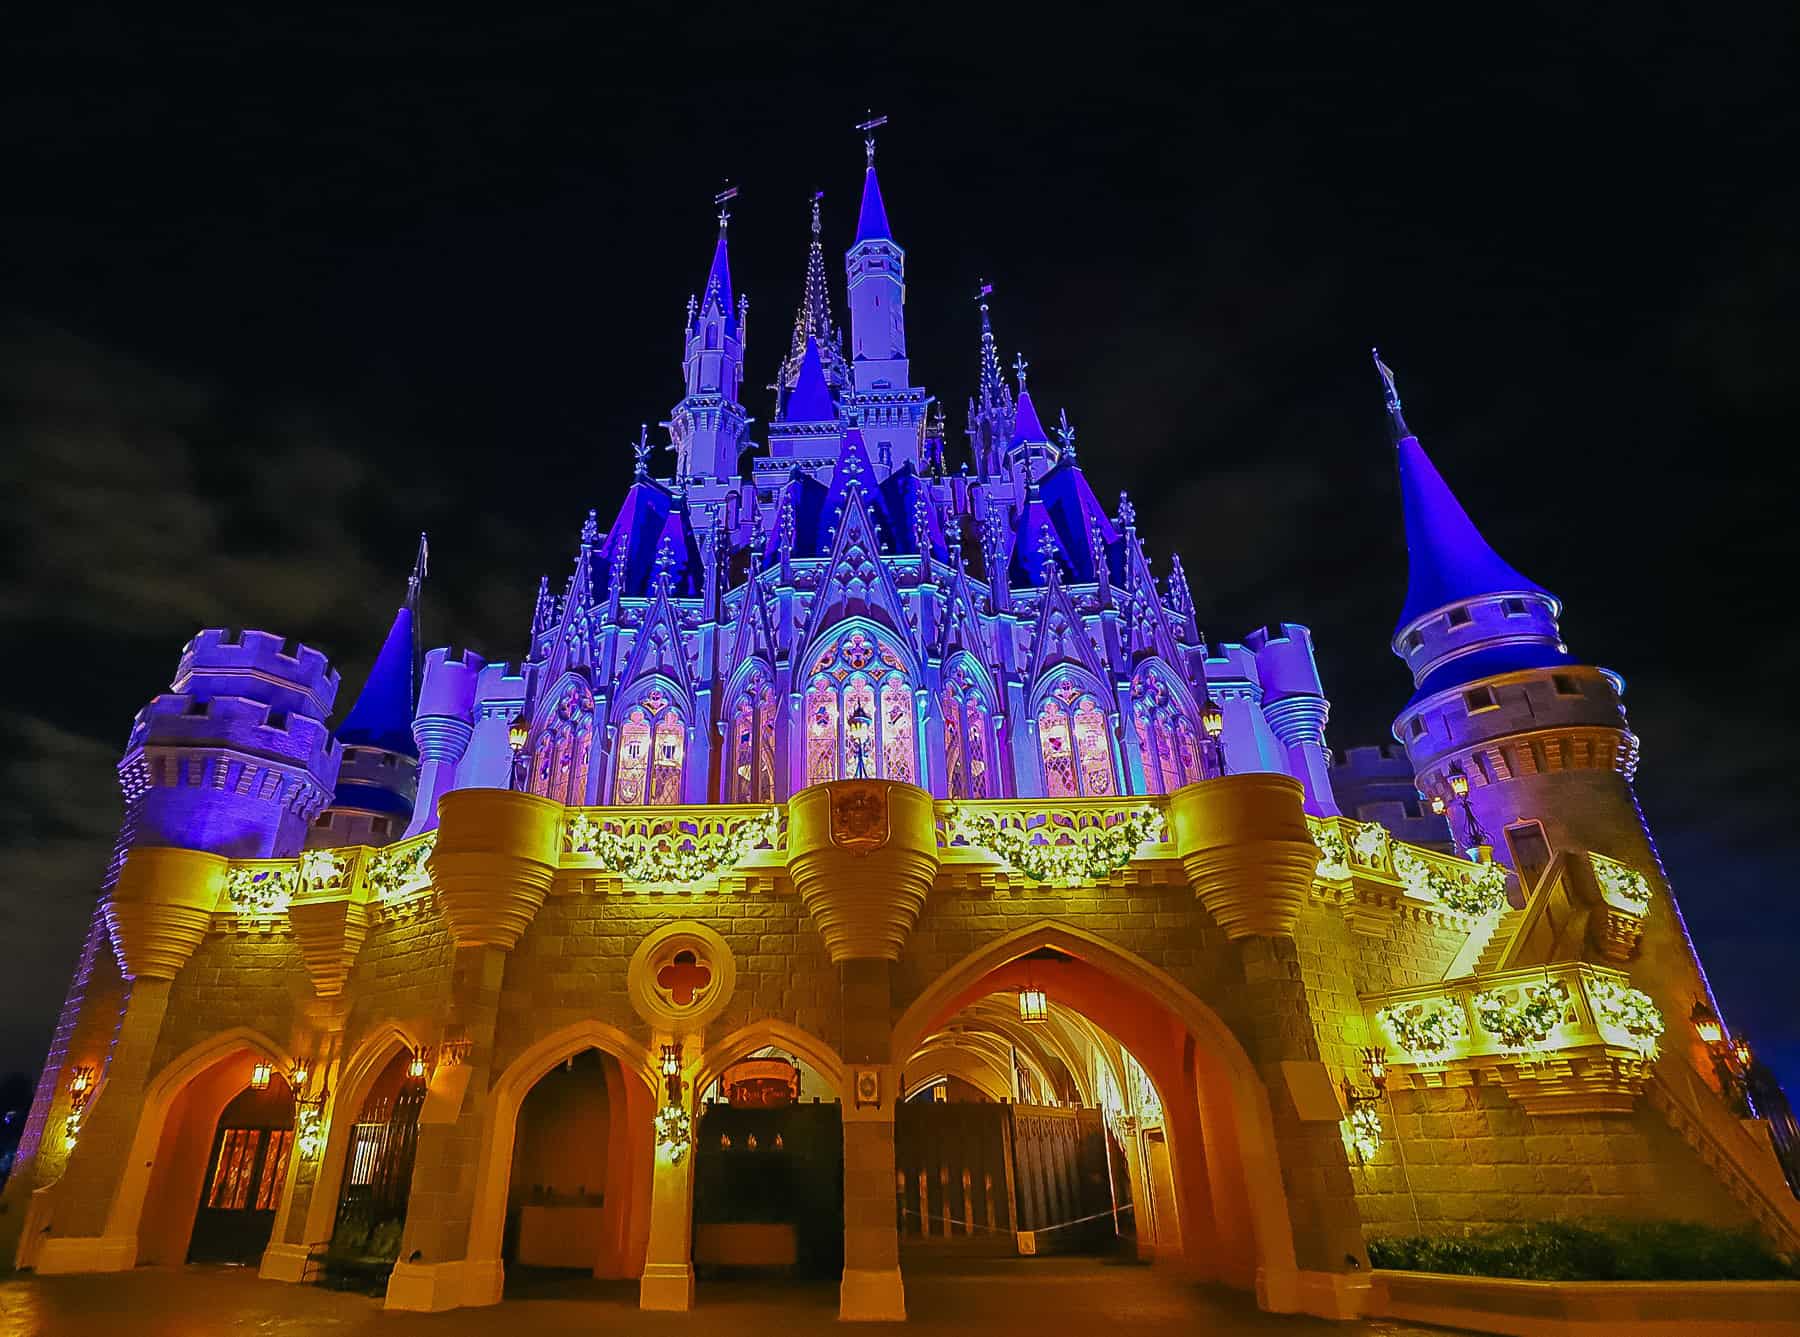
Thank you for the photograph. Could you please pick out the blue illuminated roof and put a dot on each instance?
(872, 221)
(382, 715)
(1448, 561)
(810, 400)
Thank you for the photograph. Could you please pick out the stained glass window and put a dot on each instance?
(1165, 734)
(1074, 743)
(860, 677)
(274, 1171)
(751, 774)
(565, 741)
(968, 753)
(652, 751)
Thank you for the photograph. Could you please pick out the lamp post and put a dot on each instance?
(1731, 1057)
(861, 729)
(518, 733)
(1212, 719)
(1473, 835)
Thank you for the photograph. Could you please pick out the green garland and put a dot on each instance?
(1627, 886)
(1523, 1025)
(398, 870)
(672, 856)
(674, 1130)
(1423, 1030)
(1480, 892)
(1623, 1008)
(1334, 855)
(259, 892)
(1104, 852)
(1363, 1127)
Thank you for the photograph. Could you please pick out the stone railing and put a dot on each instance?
(260, 891)
(731, 846)
(1569, 1038)
(1372, 876)
(1057, 842)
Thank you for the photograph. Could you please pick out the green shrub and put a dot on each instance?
(1595, 1250)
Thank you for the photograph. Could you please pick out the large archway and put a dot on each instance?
(537, 1202)
(768, 1176)
(1222, 1179)
(172, 1158)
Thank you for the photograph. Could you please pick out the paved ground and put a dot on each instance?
(1031, 1297)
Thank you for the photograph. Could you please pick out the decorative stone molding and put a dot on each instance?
(330, 927)
(681, 976)
(862, 854)
(1243, 842)
(495, 857)
(162, 907)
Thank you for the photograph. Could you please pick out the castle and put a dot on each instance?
(868, 851)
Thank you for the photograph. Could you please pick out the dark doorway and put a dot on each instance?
(249, 1165)
(769, 1190)
(365, 1238)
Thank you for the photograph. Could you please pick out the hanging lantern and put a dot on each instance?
(671, 1060)
(81, 1082)
(297, 1078)
(1438, 805)
(1706, 1023)
(1741, 1047)
(1459, 781)
(518, 733)
(260, 1074)
(1212, 719)
(416, 1069)
(1034, 1007)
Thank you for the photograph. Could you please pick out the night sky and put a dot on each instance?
(281, 292)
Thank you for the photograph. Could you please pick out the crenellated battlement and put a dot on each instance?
(225, 653)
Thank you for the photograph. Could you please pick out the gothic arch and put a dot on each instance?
(1167, 729)
(1222, 1128)
(859, 665)
(971, 745)
(722, 1053)
(749, 762)
(125, 1216)
(1071, 713)
(561, 751)
(508, 1093)
(651, 713)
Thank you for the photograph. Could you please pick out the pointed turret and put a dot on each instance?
(871, 219)
(809, 399)
(379, 776)
(708, 426)
(875, 267)
(812, 322)
(992, 414)
(1449, 562)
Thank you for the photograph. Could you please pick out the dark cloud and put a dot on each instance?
(297, 287)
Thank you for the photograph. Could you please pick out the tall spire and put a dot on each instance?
(417, 578)
(1396, 423)
(809, 400)
(1448, 560)
(717, 294)
(992, 415)
(813, 321)
(707, 427)
(382, 715)
(871, 220)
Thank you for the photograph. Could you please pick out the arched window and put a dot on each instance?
(750, 773)
(859, 679)
(968, 735)
(1074, 743)
(559, 765)
(1166, 735)
(652, 750)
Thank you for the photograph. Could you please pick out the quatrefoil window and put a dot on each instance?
(684, 977)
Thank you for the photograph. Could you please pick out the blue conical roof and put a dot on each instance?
(382, 715)
(718, 279)
(1448, 560)
(1027, 428)
(872, 222)
(810, 399)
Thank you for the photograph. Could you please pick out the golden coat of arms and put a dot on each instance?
(859, 815)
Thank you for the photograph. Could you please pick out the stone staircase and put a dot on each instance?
(1498, 941)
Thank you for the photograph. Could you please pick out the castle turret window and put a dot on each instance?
(1166, 737)
(968, 734)
(564, 746)
(751, 777)
(859, 675)
(1074, 743)
(652, 752)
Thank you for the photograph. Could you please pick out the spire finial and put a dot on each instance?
(817, 226)
(1392, 394)
(1020, 366)
(665, 561)
(868, 128)
(1046, 546)
(723, 199)
(640, 453)
(1127, 512)
(1065, 434)
(983, 291)
(417, 578)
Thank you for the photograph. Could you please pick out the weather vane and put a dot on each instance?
(640, 453)
(1020, 367)
(869, 127)
(1065, 433)
(983, 291)
(723, 199)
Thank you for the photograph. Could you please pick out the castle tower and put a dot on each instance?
(992, 413)
(235, 758)
(708, 426)
(875, 267)
(379, 775)
(1539, 736)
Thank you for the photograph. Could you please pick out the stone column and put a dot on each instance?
(1244, 846)
(863, 855)
(668, 1280)
(495, 857)
(160, 910)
